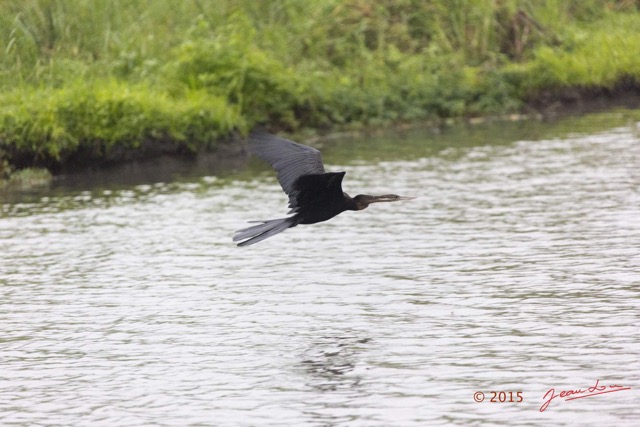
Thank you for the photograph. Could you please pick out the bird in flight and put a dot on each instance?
(314, 195)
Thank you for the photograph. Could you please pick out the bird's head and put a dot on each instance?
(364, 200)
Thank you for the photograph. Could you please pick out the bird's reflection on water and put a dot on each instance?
(331, 360)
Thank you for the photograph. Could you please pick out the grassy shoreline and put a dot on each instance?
(135, 81)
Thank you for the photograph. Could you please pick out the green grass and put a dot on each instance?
(85, 81)
(86, 122)
(601, 54)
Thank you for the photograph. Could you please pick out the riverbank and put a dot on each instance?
(178, 82)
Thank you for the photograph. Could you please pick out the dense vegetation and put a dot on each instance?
(105, 80)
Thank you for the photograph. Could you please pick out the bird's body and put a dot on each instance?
(320, 197)
(314, 195)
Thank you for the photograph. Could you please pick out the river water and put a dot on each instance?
(517, 269)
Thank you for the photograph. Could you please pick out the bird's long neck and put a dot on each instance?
(357, 203)
(351, 203)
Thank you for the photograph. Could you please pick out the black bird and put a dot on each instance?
(314, 195)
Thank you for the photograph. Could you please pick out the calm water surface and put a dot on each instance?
(517, 269)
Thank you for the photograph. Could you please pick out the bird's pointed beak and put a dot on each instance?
(389, 198)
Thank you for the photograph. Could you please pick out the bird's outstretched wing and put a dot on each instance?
(289, 159)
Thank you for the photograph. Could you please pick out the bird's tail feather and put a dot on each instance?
(266, 229)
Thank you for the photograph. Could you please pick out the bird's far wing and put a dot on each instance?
(289, 159)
